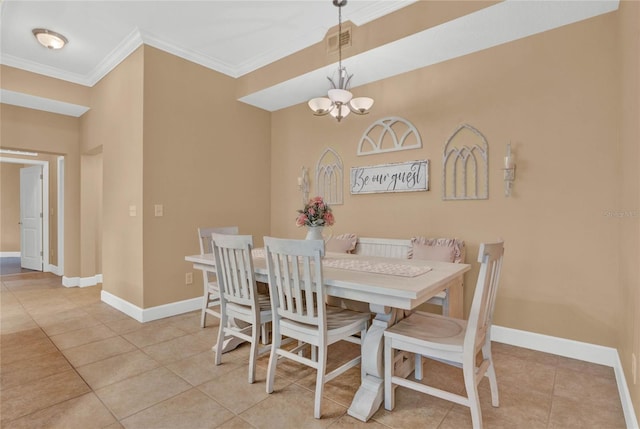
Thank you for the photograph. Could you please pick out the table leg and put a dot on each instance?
(370, 394)
(456, 299)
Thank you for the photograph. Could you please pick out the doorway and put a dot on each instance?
(46, 265)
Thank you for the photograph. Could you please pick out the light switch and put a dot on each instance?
(132, 211)
(158, 209)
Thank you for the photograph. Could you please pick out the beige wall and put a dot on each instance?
(113, 126)
(91, 218)
(555, 97)
(206, 160)
(39, 131)
(628, 221)
(10, 207)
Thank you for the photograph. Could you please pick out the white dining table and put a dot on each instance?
(390, 286)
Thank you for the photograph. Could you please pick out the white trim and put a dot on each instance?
(41, 103)
(9, 254)
(60, 205)
(152, 313)
(81, 281)
(53, 269)
(593, 353)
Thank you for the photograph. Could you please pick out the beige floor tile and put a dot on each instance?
(413, 409)
(124, 326)
(587, 388)
(201, 368)
(573, 414)
(117, 368)
(81, 320)
(104, 312)
(34, 348)
(530, 410)
(79, 337)
(188, 410)
(233, 391)
(292, 407)
(236, 423)
(22, 338)
(177, 349)
(37, 395)
(16, 323)
(189, 322)
(45, 320)
(83, 412)
(341, 389)
(586, 367)
(23, 371)
(348, 422)
(526, 354)
(524, 374)
(134, 394)
(149, 335)
(98, 350)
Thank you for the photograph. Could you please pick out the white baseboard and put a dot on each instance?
(593, 353)
(10, 254)
(152, 313)
(81, 281)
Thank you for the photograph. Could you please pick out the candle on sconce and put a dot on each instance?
(508, 160)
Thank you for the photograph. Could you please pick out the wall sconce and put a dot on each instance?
(509, 172)
(303, 184)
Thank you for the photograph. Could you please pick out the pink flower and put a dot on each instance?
(315, 213)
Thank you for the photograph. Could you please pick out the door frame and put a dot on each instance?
(46, 267)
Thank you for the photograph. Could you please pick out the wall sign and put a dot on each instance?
(400, 177)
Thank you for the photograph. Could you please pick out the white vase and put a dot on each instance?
(314, 233)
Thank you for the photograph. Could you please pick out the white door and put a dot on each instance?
(31, 217)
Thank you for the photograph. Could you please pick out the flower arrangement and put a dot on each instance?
(315, 213)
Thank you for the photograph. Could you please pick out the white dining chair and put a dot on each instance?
(443, 250)
(301, 313)
(211, 295)
(239, 297)
(452, 341)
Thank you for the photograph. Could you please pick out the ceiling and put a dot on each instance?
(239, 36)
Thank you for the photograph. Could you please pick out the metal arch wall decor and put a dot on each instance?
(389, 135)
(329, 177)
(465, 170)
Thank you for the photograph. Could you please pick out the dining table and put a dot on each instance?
(392, 287)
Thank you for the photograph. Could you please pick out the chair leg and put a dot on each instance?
(418, 366)
(445, 304)
(221, 329)
(322, 369)
(253, 354)
(472, 394)
(276, 340)
(203, 318)
(491, 373)
(389, 392)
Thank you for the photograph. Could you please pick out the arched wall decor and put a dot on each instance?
(465, 170)
(329, 177)
(389, 135)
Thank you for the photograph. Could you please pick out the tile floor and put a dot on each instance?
(71, 361)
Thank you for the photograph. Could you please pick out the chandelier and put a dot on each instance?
(339, 101)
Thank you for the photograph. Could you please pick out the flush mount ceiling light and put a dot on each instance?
(50, 39)
(339, 101)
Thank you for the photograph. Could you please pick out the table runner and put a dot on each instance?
(391, 268)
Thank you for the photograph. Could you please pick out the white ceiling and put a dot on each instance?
(239, 36)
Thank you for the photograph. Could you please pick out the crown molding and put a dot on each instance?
(126, 47)
(19, 63)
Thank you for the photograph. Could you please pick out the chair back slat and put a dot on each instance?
(480, 320)
(204, 236)
(295, 279)
(234, 268)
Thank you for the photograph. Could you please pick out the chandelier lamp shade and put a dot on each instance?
(50, 39)
(339, 101)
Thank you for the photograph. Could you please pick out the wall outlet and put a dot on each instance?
(188, 278)
(634, 368)
(158, 210)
